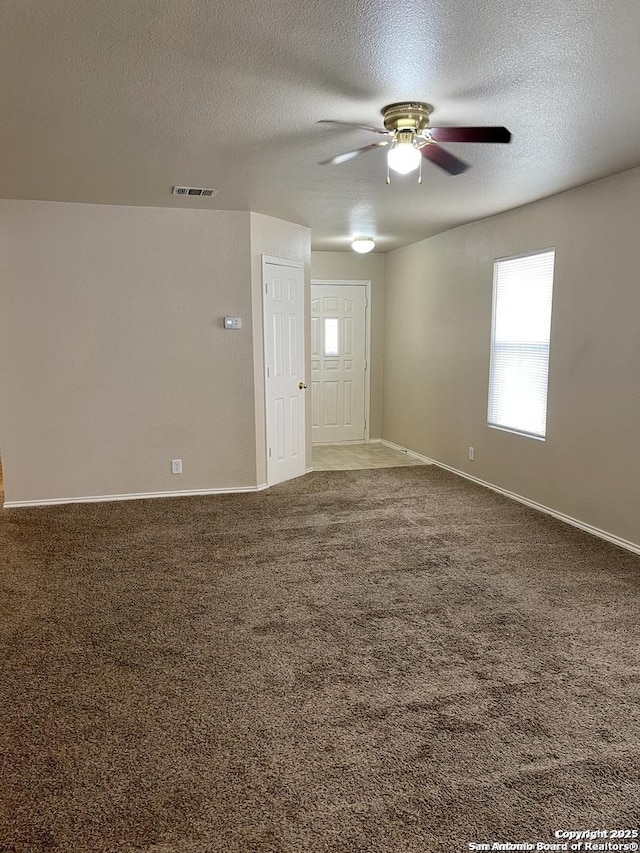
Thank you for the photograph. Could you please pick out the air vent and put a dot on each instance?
(201, 191)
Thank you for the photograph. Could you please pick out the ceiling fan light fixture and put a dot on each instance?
(362, 245)
(404, 156)
(411, 139)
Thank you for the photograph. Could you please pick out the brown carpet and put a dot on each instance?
(392, 660)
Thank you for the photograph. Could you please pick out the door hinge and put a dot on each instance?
(266, 287)
(269, 453)
(268, 373)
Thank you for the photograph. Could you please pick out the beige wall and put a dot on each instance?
(289, 242)
(349, 266)
(437, 334)
(114, 356)
(114, 359)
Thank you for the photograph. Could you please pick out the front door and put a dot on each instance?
(283, 307)
(338, 362)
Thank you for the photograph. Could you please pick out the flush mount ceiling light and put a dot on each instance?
(411, 138)
(362, 245)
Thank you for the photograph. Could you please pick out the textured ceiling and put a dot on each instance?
(114, 101)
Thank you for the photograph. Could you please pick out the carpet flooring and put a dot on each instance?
(389, 661)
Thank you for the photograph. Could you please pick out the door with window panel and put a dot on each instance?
(338, 362)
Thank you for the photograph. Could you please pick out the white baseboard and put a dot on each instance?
(413, 455)
(342, 443)
(360, 442)
(91, 499)
(574, 522)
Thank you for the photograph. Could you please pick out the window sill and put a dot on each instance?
(518, 432)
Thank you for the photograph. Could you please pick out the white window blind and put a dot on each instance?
(522, 296)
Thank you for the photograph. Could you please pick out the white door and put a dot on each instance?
(338, 362)
(283, 307)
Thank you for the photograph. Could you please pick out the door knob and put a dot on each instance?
(302, 385)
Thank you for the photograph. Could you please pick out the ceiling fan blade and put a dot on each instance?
(470, 134)
(349, 155)
(351, 124)
(443, 159)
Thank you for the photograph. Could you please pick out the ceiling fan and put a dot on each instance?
(411, 139)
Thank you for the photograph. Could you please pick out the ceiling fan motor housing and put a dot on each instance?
(410, 116)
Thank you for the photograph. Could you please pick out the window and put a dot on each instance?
(522, 294)
(331, 336)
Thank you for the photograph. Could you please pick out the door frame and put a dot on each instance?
(367, 349)
(282, 262)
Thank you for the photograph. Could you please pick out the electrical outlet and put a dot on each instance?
(176, 466)
(472, 453)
